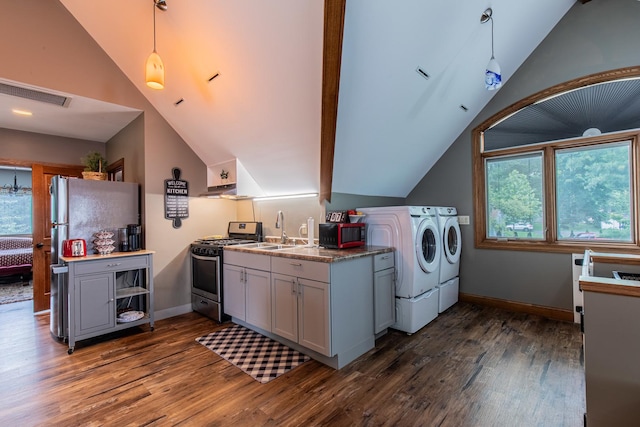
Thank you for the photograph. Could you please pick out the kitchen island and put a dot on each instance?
(106, 293)
(318, 301)
(611, 338)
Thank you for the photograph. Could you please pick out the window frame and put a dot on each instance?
(542, 154)
(550, 242)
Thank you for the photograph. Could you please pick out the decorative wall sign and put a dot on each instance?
(176, 198)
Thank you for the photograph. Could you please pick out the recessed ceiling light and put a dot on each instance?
(21, 112)
(423, 73)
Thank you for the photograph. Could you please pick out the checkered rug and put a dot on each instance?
(262, 358)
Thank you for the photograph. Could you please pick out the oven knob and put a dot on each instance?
(211, 252)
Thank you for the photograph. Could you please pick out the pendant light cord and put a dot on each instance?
(154, 29)
(491, 18)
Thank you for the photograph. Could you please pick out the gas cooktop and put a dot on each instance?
(223, 241)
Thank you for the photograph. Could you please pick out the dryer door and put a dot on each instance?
(427, 246)
(452, 240)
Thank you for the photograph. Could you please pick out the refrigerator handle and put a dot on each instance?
(59, 269)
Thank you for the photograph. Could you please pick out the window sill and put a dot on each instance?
(559, 247)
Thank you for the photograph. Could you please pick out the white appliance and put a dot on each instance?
(413, 232)
(449, 283)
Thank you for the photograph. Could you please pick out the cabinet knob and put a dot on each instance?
(39, 245)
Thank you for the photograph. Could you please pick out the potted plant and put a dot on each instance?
(94, 164)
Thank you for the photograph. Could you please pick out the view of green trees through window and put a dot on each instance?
(592, 193)
(15, 213)
(514, 196)
(593, 188)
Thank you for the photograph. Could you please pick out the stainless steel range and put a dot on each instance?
(206, 267)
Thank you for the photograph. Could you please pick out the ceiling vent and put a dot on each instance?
(34, 95)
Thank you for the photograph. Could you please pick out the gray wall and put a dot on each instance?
(40, 148)
(594, 37)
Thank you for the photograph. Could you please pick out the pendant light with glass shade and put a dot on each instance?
(155, 68)
(493, 73)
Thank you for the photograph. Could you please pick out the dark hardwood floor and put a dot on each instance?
(472, 366)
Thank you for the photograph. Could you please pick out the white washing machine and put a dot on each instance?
(449, 283)
(413, 232)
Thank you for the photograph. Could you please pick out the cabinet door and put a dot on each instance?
(94, 303)
(234, 291)
(258, 298)
(384, 299)
(314, 317)
(284, 312)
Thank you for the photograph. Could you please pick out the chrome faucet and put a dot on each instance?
(280, 224)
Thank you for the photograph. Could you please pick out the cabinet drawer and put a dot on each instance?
(243, 259)
(111, 264)
(383, 261)
(301, 268)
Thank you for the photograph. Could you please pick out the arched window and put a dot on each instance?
(558, 171)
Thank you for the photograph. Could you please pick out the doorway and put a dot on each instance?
(40, 226)
(16, 245)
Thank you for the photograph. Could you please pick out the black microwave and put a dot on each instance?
(341, 235)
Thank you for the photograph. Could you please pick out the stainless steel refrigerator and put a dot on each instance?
(80, 208)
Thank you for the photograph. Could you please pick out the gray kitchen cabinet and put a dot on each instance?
(94, 303)
(101, 287)
(234, 291)
(247, 288)
(284, 293)
(384, 291)
(324, 307)
(322, 300)
(611, 338)
(301, 311)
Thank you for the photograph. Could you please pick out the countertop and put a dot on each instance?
(315, 253)
(111, 255)
(609, 285)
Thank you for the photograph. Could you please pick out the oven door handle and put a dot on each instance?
(206, 258)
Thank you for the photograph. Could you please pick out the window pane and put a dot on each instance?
(514, 197)
(15, 213)
(593, 190)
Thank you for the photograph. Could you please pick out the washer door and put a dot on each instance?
(452, 240)
(427, 246)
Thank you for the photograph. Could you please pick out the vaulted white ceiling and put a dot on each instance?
(264, 108)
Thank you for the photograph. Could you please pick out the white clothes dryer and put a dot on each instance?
(451, 243)
(449, 285)
(413, 232)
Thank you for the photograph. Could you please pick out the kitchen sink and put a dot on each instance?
(260, 245)
(276, 247)
(266, 246)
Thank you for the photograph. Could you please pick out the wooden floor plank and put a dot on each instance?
(472, 366)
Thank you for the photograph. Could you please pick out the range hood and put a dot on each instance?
(225, 191)
(237, 184)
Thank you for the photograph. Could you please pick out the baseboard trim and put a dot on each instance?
(171, 312)
(548, 312)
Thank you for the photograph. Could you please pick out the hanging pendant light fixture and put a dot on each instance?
(155, 67)
(15, 188)
(493, 73)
